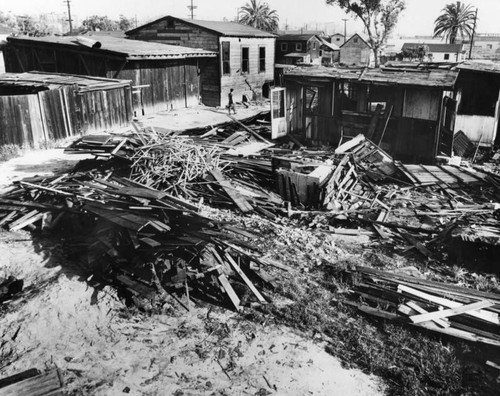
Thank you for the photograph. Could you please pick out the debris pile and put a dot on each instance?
(452, 310)
(143, 240)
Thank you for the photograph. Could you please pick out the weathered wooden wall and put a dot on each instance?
(175, 32)
(60, 113)
(477, 128)
(253, 81)
(170, 84)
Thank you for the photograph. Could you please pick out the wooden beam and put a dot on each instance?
(425, 317)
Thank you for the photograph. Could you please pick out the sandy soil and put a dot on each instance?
(105, 349)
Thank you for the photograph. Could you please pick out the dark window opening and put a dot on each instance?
(226, 67)
(245, 67)
(298, 47)
(170, 24)
(355, 40)
(262, 59)
(284, 46)
(479, 97)
(446, 56)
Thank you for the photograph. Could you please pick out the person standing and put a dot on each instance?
(230, 102)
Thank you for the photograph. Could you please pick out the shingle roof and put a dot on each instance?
(295, 37)
(130, 49)
(222, 28)
(433, 47)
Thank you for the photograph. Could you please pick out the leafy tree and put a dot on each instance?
(96, 22)
(259, 15)
(456, 18)
(418, 52)
(125, 23)
(31, 26)
(9, 20)
(378, 16)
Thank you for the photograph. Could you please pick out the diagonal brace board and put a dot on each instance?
(450, 312)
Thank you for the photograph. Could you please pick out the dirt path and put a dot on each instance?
(104, 349)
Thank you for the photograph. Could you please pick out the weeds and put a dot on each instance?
(10, 151)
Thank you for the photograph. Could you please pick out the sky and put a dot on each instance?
(417, 19)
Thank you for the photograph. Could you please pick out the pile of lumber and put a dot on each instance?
(33, 382)
(444, 308)
(146, 241)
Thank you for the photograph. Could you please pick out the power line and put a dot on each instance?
(67, 2)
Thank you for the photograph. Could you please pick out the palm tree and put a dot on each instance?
(456, 18)
(259, 15)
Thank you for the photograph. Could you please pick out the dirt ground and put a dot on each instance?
(103, 348)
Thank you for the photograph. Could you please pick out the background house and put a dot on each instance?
(164, 76)
(356, 52)
(245, 55)
(337, 38)
(37, 107)
(305, 43)
(440, 53)
(485, 46)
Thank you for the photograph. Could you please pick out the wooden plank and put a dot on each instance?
(425, 317)
(413, 305)
(40, 385)
(26, 222)
(490, 317)
(235, 196)
(230, 291)
(243, 276)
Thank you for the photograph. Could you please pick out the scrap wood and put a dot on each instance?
(45, 384)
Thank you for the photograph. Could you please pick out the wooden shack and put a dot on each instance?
(37, 107)
(164, 76)
(356, 51)
(409, 113)
(245, 60)
(478, 101)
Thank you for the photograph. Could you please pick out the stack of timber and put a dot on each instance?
(443, 308)
(144, 241)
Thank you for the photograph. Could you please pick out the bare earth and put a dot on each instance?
(105, 349)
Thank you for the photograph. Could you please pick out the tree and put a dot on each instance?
(96, 22)
(456, 18)
(378, 16)
(417, 52)
(125, 23)
(259, 15)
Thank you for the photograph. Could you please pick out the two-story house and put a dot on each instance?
(245, 60)
(306, 46)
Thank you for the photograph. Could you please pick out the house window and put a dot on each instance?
(314, 45)
(226, 68)
(298, 47)
(245, 68)
(355, 40)
(489, 46)
(284, 46)
(446, 56)
(262, 59)
(320, 53)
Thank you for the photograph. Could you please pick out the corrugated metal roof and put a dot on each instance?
(427, 78)
(480, 66)
(222, 28)
(130, 49)
(42, 79)
(433, 47)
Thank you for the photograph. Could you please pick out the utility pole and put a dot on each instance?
(192, 8)
(472, 37)
(345, 29)
(68, 2)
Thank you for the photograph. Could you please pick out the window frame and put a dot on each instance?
(298, 47)
(262, 60)
(284, 46)
(242, 68)
(226, 62)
